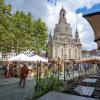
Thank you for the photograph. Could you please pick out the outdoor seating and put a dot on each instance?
(95, 76)
(84, 90)
(97, 84)
(96, 94)
(70, 91)
(63, 96)
(88, 80)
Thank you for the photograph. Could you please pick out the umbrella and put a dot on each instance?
(20, 57)
(38, 58)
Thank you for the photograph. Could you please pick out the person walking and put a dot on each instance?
(5, 70)
(67, 72)
(23, 75)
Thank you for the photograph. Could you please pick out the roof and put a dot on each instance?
(85, 51)
(94, 20)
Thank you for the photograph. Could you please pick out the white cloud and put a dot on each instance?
(76, 20)
(50, 14)
(89, 46)
(73, 5)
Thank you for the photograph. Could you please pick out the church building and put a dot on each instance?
(62, 44)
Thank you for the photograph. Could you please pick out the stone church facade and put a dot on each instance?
(62, 44)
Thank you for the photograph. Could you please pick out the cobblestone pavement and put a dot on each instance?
(6, 81)
(13, 92)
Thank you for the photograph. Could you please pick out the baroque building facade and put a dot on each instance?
(62, 44)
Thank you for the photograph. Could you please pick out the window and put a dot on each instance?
(69, 53)
(62, 52)
(63, 15)
(75, 53)
(56, 52)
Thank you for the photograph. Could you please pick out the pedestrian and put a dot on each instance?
(49, 65)
(8, 73)
(11, 71)
(15, 73)
(5, 70)
(38, 66)
(67, 72)
(23, 75)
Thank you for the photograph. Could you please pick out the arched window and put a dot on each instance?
(63, 15)
(75, 53)
(69, 53)
(62, 52)
(59, 28)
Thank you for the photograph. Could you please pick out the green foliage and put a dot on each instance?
(19, 32)
(4, 9)
(46, 84)
(22, 28)
(4, 26)
(40, 31)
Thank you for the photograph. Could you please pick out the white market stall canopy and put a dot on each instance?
(20, 57)
(23, 57)
(38, 58)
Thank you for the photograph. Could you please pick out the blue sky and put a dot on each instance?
(48, 10)
(84, 10)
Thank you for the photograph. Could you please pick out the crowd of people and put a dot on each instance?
(22, 70)
(13, 69)
(9, 70)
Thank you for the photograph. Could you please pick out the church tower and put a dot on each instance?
(62, 15)
(77, 36)
(62, 30)
(77, 39)
(62, 44)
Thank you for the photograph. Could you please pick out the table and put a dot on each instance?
(89, 80)
(94, 76)
(84, 90)
(63, 96)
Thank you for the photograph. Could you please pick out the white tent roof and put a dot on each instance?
(20, 57)
(23, 57)
(38, 58)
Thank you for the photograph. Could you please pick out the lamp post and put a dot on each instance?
(64, 61)
(37, 76)
(58, 69)
(79, 68)
(74, 65)
(38, 67)
(64, 69)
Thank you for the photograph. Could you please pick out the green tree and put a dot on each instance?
(40, 38)
(22, 29)
(19, 32)
(5, 14)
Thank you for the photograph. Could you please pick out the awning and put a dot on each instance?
(94, 20)
(38, 58)
(20, 57)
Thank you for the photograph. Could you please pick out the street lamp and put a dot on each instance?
(65, 69)
(65, 61)
(38, 76)
(58, 64)
(73, 65)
